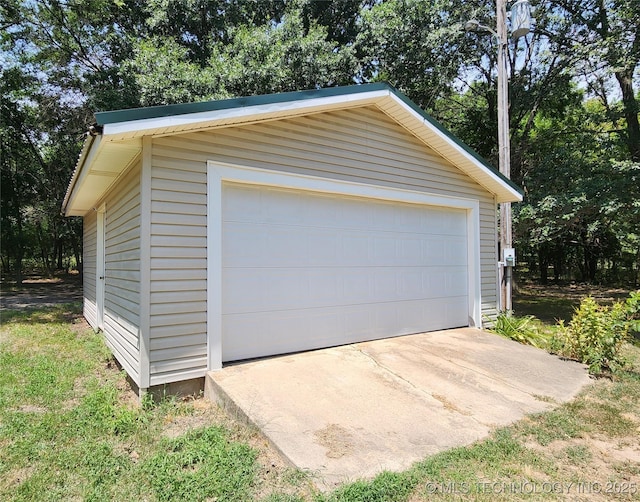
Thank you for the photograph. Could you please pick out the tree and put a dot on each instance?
(60, 62)
(416, 46)
(248, 60)
(574, 141)
(583, 207)
(606, 38)
(18, 149)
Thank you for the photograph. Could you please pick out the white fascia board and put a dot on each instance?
(457, 147)
(188, 121)
(86, 158)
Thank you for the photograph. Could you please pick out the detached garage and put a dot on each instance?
(235, 229)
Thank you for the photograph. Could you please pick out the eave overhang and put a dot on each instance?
(104, 158)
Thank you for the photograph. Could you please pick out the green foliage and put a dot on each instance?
(581, 206)
(417, 46)
(560, 424)
(201, 465)
(68, 433)
(594, 336)
(386, 487)
(101, 410)
(163, 74)
(632, 312)
(578, 455)
(252, 59)
(520, 329)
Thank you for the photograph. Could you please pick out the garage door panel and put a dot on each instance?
(355, 248)
(385, 217)
(258, 289)
(456, 284)
(261, 289)
(241, 203)
(410, 250)
(270, 245)
(352, 215)
(323, 247)
(455, 250)
(456, 309)
(445, 282)
(413, 216)
(282, 246)
(304, 270)
(384, 250)
(242, 288)
(238, 245)
(270, 333)
(433, 251)
(451, 224)
(281, 212)
(323, 209)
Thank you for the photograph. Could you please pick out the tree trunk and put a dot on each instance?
(19, 251)
(558, 265)
(630, 112)
(60, 254)
(46, 264)
(543, 264)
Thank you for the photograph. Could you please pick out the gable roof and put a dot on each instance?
(109, 152)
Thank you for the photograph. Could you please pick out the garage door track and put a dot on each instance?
(351, 412)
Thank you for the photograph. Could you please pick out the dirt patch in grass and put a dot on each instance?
(599, 468)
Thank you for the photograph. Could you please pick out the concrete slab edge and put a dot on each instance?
(214, 393)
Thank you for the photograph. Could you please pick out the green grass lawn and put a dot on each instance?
(70, 429)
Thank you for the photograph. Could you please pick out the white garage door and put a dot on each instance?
(303, 270)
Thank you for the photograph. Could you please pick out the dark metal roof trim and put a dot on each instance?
(152, 112)
(453, 137)
(110, 117)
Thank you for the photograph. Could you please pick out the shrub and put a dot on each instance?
(519, 329)
(594, 335)
(632, 312)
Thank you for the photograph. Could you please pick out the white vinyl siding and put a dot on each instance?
(178, 269)
(122, 272)
(89, 256)
(362, 145)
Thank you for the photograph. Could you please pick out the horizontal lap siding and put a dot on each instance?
(178, 328)
(89, 246)
(361, 145)
(122, 272)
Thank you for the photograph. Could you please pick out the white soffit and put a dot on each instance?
(103, 164)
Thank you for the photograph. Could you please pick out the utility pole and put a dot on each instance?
(504, 152)
(520, 25)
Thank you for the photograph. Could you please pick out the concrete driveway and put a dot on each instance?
(351, 412)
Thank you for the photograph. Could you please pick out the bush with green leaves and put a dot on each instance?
(594, 335)
(632, 311)
(520, 329)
